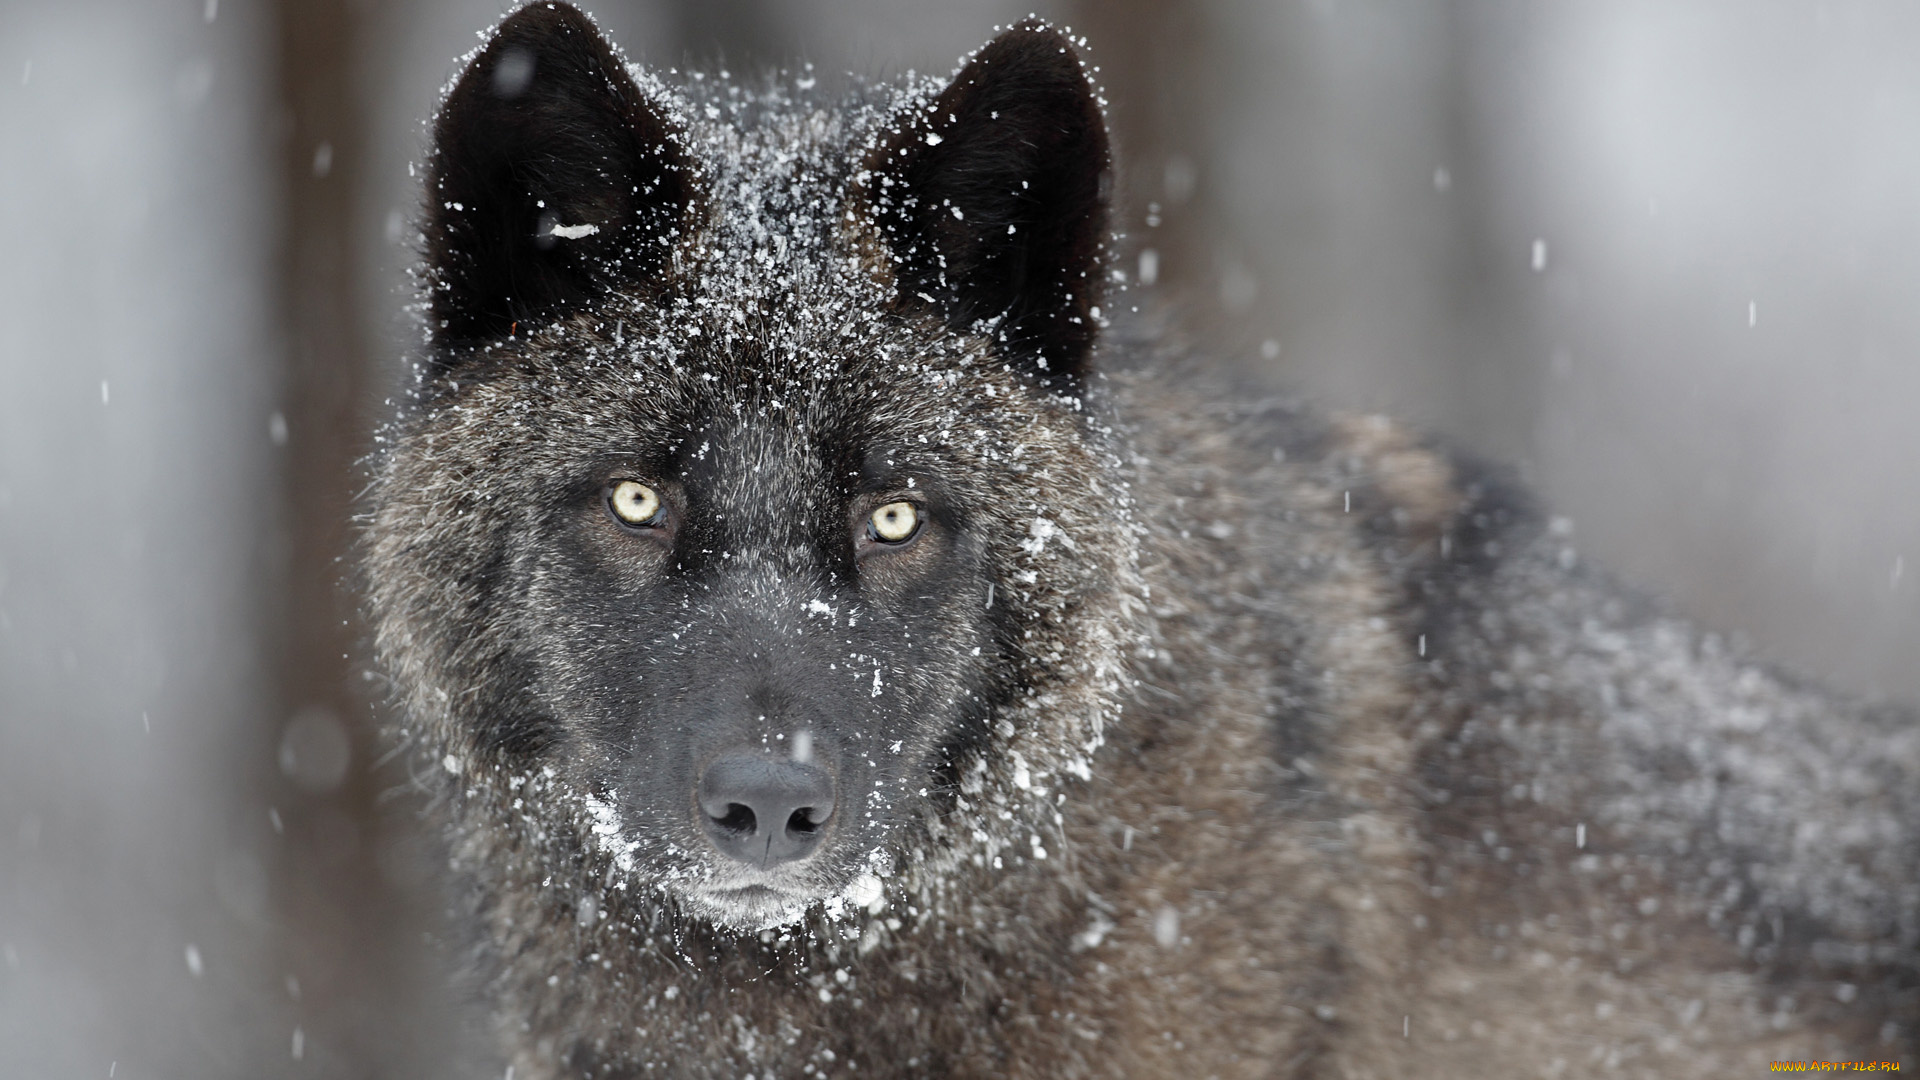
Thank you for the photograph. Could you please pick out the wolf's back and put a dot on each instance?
(1623, 832)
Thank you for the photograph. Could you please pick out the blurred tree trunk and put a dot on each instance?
(326, 355)
(1151, 57)
(1499, 346)
(350, 942)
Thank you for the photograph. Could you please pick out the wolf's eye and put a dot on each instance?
(634, 503)
(894, 522)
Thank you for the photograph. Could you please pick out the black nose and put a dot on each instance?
(765, 811)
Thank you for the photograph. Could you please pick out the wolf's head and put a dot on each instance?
(751, 522)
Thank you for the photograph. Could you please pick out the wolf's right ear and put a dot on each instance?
(553, 179)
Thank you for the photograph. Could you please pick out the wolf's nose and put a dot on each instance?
(765, 811)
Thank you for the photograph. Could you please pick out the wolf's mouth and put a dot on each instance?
(754, 907)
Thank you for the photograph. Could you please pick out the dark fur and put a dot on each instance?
(1186, 738)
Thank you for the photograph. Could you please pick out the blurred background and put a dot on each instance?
(1662, 256)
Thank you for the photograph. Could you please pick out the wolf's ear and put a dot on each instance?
(553, 179)
(992, 199)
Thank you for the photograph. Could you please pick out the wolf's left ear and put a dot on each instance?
(992, 200)
(553, 180)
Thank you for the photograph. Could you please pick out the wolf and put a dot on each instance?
(841, 643)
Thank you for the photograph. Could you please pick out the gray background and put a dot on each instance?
(1711, 372)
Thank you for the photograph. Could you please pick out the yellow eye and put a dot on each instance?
(894, 522)
(634, 503)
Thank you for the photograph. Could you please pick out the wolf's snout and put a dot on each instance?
(765, 811)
